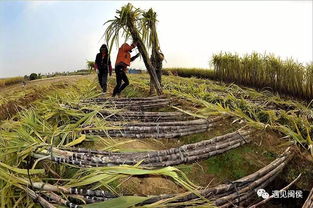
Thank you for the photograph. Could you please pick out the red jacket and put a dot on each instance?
(123, 55)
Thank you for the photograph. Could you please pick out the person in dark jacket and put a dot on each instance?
(103, 67)
(122, 62)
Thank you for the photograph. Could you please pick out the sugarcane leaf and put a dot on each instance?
(23, 171)
(120, 202)
(76, 141)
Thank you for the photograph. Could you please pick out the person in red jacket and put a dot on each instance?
(122, 62)
(103, 67)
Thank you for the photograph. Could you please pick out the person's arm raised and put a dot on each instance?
(134, 57)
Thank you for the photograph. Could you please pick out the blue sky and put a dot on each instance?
(38, 36)
(49, 36)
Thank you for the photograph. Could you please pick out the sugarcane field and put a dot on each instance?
(156, 104)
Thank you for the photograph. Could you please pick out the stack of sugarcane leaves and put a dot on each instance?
(143, 103)
(309, 201)
(259, 102)
(185, 154)
(274, 105)
(236, 193)
(284, 106)
(156, 129)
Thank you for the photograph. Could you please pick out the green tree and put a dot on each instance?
(33, 76)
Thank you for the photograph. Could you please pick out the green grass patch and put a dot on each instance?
(231, 165)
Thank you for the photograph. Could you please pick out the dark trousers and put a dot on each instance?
(103, 78)
(159, 75)
(120, 76)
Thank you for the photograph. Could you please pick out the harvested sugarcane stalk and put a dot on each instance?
(167, 160)
(37, 198)
(152, 129)
(125, 99)
(140, 134)
(272, 196)
(174, 156)
(134, 102)
(225, 195)
(309, 201)
(143, 116)
(228, 200)
(130, 106)
(179, 123)
(138, 106)
(121, 115)
(59, 200)
(61, 189)
(156, 129)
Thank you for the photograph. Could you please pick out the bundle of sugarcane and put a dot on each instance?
(131, 103)
(309, 201)
(156, 129)
(47, 197)
(50, 195)
(143, 116)
(104, 99)
(180, 155)
(236, 193)
(126, 115)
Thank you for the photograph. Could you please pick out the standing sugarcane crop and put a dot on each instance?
(129, 22)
